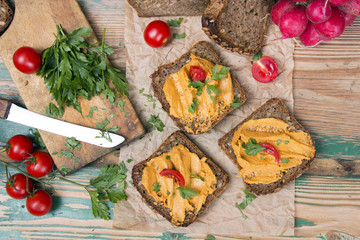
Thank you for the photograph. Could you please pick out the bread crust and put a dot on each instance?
(211, 21)
(204, 50)
(272, 108)
(173, 140)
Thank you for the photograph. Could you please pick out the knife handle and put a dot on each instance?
(4, 108)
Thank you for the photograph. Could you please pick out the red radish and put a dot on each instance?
(279, 8)
(293, 22)
(310, 37)
(351, 7)
(333, 27)
(337, 3)
(318, 11)
(300, 0)
(349, 19)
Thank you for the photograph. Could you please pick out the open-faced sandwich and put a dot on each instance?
(178, 180)
(269, 147)
(197, 90)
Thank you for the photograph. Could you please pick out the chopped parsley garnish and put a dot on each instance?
(141, 90)
(71, 144)
(179, 36)
(198, 85)
(286, 142)
(235, 103)
(210, 237)
(278, 141)
(167, 157)
(249, 197)
(155, 122)
(197, 177)
(252, 148)
(129, 160)
(257, 56)
(186, 193)
(167, 192)
(64, 169)
(218, 75)
(284, 160)
(175, 22)
(53, 111)
(156, 187)
(194, 104)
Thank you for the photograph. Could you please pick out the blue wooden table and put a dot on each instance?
(327, 103)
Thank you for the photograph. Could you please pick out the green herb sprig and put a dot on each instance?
(73, 68)
(252, 148)
(175, 22)
(155, 122)
(186, 193)
(249, 197)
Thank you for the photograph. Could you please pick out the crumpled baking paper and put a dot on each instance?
(272, 214)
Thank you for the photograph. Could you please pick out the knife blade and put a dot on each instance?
(14, 113)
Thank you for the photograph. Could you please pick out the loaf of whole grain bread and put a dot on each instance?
(237, 25)
(273, 108)
(173, 140)
(6, 15)
(156, 8)
(202, 49)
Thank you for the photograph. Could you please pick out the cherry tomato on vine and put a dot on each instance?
(157, 33)
(27, 60)
(16, 186)
(265, 69)
(19, 147)
(40, 164)
(197, 74)
(40, 203)
(174, 175)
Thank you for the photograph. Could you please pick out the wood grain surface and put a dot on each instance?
(33, 25)
(327, 102)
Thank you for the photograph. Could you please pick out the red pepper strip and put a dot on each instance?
(174, 175)
(270, 149)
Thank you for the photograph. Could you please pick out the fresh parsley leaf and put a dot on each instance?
(198, 85)
(219, 75)
(213, 89)
(286, 142)
(64, 169)
(167, 193)
(129, 160)
(179, 36)
(122, 168)
(257, 56)
(37, 139)
(284, 160)
(252, 148)
(155, 122)
(235, 103)
(197, 177)
(194, 104)
(53, 111)
(175, 22)
(167, 157)
(156, 187)
(99, 209)
(91, 112)
(210, 237)
(186, 193)
(249, 197)
(141, 90)
(103, 124)
(278, 141)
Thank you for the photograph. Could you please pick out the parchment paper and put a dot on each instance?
(271, 214)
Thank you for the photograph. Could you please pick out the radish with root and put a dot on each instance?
(318, 11)
(310, 37)
(293, 22)
(279, 8)
(351, 7)
(349, 19)
(333, 27)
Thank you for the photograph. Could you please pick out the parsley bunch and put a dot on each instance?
(73, 68)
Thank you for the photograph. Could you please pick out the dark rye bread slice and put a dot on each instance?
(6, 15)
(173, 140)
(202, 49)
(237, 25)
(273, 108)
(156, 8)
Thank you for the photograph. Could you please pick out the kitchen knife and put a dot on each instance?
(14, 113)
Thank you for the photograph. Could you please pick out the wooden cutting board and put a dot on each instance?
(33, 25)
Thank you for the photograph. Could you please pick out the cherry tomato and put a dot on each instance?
(265, 69)
(27, 60)
(197, 74)
(270, 149)
(17, 188)
(174, 175)
(40, 203)
(40, 164)
(18, 147)
(157, 33)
